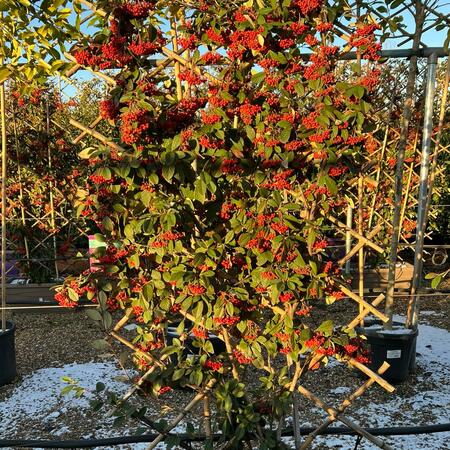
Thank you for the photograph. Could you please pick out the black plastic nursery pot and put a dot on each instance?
(218, 345)
(8, 369)
(396, 346)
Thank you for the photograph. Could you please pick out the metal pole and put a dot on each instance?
(4, 161)
(423, 186)
(401, 150)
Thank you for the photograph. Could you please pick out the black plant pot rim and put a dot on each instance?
(399, 332)
(10, 328)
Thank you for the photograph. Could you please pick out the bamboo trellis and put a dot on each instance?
(366, 239)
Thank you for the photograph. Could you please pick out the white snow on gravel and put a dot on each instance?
(38, 397)
(433, 349)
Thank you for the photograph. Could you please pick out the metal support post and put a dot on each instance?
(423, 186)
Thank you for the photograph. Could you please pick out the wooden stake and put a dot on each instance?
(182, 415)
(344, 405)
(4, 172)
(334, 414)
(92, 125)
(356, 235)
(360, 317)
(371, 374)
(360, 231)
(359, 245)
(361, 301)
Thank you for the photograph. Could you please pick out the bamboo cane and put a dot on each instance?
(105, 77)
(344, 405)
(361, 301)
(50, 185)
(19, 173)
(360, 244)
(371, 374)
(408, 185)
(182, 415)
(92, 125)
(348, 240)
(103, 139)
(185, 63)
(4, 172)
(360, 317)
(356, 235)
(334, 414)
(377, 177)
(173, 32)
(145, 355)
(361, 250)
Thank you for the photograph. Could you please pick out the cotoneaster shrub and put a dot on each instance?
(214, 216)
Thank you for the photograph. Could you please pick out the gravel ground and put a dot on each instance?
(60, 338)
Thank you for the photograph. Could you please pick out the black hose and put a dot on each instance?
(90, 443)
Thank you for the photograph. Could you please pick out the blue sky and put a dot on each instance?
(431, 38)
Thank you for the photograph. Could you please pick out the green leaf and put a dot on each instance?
(285, 135)
(176, 142)
(258, 77)
(94, 314)
(100, 344)
(436, 281)
(104, 172)
(326, 328)
(107, 223)
(179, 373)
(66, 390)
(146, 197)
(86, 153)
(4, 74)
(168, 172)
(357, 91)
(331, 184)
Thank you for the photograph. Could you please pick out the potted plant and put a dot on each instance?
(8, 370)
(212, 203)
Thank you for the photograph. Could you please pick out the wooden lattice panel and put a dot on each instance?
(365, 240)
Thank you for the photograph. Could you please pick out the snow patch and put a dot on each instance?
(37, 399)
(38, 396)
